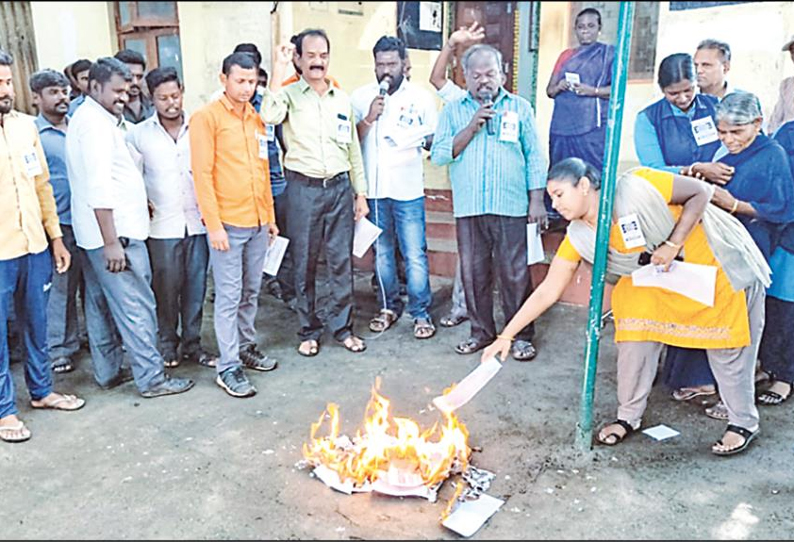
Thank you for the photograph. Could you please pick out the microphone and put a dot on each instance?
(487, 101)
(383, 88)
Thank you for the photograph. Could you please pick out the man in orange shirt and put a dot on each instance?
(228, 143)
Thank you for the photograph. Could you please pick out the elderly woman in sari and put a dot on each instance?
(761, 196)
(676, 220)
(580, 86)
(777, 344)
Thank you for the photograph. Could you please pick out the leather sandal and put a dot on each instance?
(424, 328)
(742, 432)
(470, 346)
(617, 436)
(383, 321)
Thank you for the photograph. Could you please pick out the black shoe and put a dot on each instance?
(203, 358)
(274, 289)
(124, 375)
(251, 358)
(235, 383)
(169, 386)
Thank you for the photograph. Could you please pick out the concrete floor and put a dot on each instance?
(205, 465)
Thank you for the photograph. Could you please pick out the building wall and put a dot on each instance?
(66, 31)
(208, 31)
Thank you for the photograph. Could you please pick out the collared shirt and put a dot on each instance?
(74, 104)
(147, 110)
(27, 207)
(103, 175)
(491, 176)
(53, 140)
(393, 146)
(319, 131)
(230, 166)
(169, 181)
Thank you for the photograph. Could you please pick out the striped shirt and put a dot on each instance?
(491, 176)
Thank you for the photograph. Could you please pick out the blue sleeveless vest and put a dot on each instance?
(675, 132)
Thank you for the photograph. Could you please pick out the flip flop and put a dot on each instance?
(618, 437)
(742, 432)
(62, 365)
(62, 403)
(773, 398)
(452, 321)
(314, 349)
(12, 429)
(687, 394)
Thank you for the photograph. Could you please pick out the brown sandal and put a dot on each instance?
(424, 328)
(383, 321)
(354, 344)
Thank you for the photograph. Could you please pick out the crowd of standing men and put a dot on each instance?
(131, 201)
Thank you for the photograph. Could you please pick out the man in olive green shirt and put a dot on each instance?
(326, 186)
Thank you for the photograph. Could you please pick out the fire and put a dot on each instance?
(390, 449)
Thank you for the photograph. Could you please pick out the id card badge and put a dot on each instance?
(704, 131)
(343, 130)
(32, 164)
(573, 78)
(261, 140)
(508, 127)
(271, 132)
(631, 231)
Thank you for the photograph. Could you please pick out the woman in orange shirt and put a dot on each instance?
(676, 221)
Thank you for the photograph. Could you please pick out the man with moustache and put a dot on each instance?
(138, 107)
(177, 241)
(498, 173)
(110, 217)
(712, 64)
(229, 156)
(389, 110)
(326, 186)
(28, 224)
(51, 96)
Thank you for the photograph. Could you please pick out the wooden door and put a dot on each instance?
(16, 37)
(499, 21)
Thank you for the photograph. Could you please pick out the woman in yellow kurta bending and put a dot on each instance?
(675, 220)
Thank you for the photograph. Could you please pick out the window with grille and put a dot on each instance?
(152, 29)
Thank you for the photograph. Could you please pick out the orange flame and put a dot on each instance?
(389, 444)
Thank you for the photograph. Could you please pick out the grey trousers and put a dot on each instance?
(458, 309)
(321, 217)
(63, 339)
(733, 368)
(237, 274)
(120, 308)
(179, 281)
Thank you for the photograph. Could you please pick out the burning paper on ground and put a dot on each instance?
(391, 455)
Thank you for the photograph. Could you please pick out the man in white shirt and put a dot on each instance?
(395, 119)
(111, 223)
(177, 242)
(712, 63)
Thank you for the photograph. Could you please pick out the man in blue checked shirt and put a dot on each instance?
(498, 174)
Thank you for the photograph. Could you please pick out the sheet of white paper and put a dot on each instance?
(331, 479)
(535, 252)
(275, 255)
(468, 387)
(573, 78)
(404, 138)
(365, 234)
(430, 16)
(694, 281)
(661, 432)
(471, 515)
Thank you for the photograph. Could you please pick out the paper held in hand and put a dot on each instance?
(535, 252)
(697, 282)
(365, 234)
(275, 255)
(468, 387)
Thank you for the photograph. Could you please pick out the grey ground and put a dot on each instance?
(205, 465)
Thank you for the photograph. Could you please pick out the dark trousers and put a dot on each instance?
(30, 275)
(63, 338)
(483, 241)
(179, 281)
(320, 217)
(285, 277)
(777, 344)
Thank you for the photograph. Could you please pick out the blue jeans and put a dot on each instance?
(32, 275)
(402, 222)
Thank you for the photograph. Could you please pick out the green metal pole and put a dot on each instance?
(584, 432)
(534, 46)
